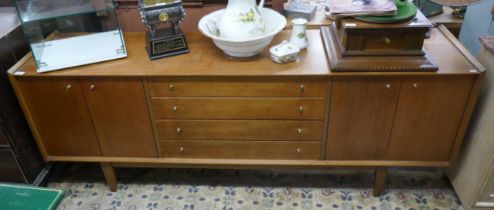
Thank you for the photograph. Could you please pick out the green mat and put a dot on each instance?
(18, 197)
(406, 11)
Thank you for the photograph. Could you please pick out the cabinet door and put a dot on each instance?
(60, 115)
(120, 116)
(361, 115)
(428, 115)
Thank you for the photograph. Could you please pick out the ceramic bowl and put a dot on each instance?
(246, 47)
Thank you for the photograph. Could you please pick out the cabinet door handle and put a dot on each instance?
(301, 109)
(299, 151)
(171, 87)
(299, 131)
(91, 87)
(386, 40)
(415, 86)
(388, 86)
(179, 130)
(68, 87)
(181, 149)
(174, 109)
(302, 88)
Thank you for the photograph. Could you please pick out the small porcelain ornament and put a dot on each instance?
(298, 37)
(242, 20)
(284, 52)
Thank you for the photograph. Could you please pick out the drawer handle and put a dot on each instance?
(179, 131)
(386, 40)
(181, 149)
(302, 88)
(301, 109)
(171, 87)
(299, 131)
(415, 85)
(68, 87)
(299, 151)
(174, 109)
(91, 87)
(388, 86)
(491, 195)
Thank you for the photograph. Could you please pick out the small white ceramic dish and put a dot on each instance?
(285, 52)
(275, 23)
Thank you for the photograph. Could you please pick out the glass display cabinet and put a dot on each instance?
(68, 33)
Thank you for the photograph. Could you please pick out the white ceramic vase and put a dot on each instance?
(298, 37)
(242, 20)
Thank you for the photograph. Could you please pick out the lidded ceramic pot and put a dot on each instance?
(285, 52)
(298, 37)
(242, 20)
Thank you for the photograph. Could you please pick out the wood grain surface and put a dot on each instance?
(61, 116)
(120, 115)
(205, 59)
(241, 149)
(361, 117)
(428, 115)
(254, 130)
(239, 108)
(160, 88)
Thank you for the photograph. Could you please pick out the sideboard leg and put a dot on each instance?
(111, 179)
(380, 178)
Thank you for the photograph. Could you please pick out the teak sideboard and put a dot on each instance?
(205, 110)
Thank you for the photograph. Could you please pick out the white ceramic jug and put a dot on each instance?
(242, 20)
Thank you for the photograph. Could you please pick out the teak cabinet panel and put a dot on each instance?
(120, 116)
(288, 150)
(61, 117)
(240, 130)
(428, 116)
(361, 117)
(239, 108)
(164, 88)
(91, 117)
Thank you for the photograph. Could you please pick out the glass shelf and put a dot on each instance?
(36, 10)
(69, 33)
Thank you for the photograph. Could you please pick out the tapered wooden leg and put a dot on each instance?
(380, 178)
(111, 179)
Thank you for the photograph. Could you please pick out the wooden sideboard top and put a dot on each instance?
(205, 59)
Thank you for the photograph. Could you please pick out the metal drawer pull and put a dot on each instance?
(302, 88)
(68, 87)
(174, 109)
(299, 151)
(301, 109)
(415, 85)
(182, 149)
(386, 40)
(491, 195)
(171, 87)
(388, 86)
(299, 131)
(179, 131)
(91, 87)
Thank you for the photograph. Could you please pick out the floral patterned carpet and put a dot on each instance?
(196, 189)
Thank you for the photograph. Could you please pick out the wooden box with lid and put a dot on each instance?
(357, 37)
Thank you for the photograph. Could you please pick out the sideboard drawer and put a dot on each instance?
(235, 108)
(241, 150)
(161, 88)
(239, 130)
